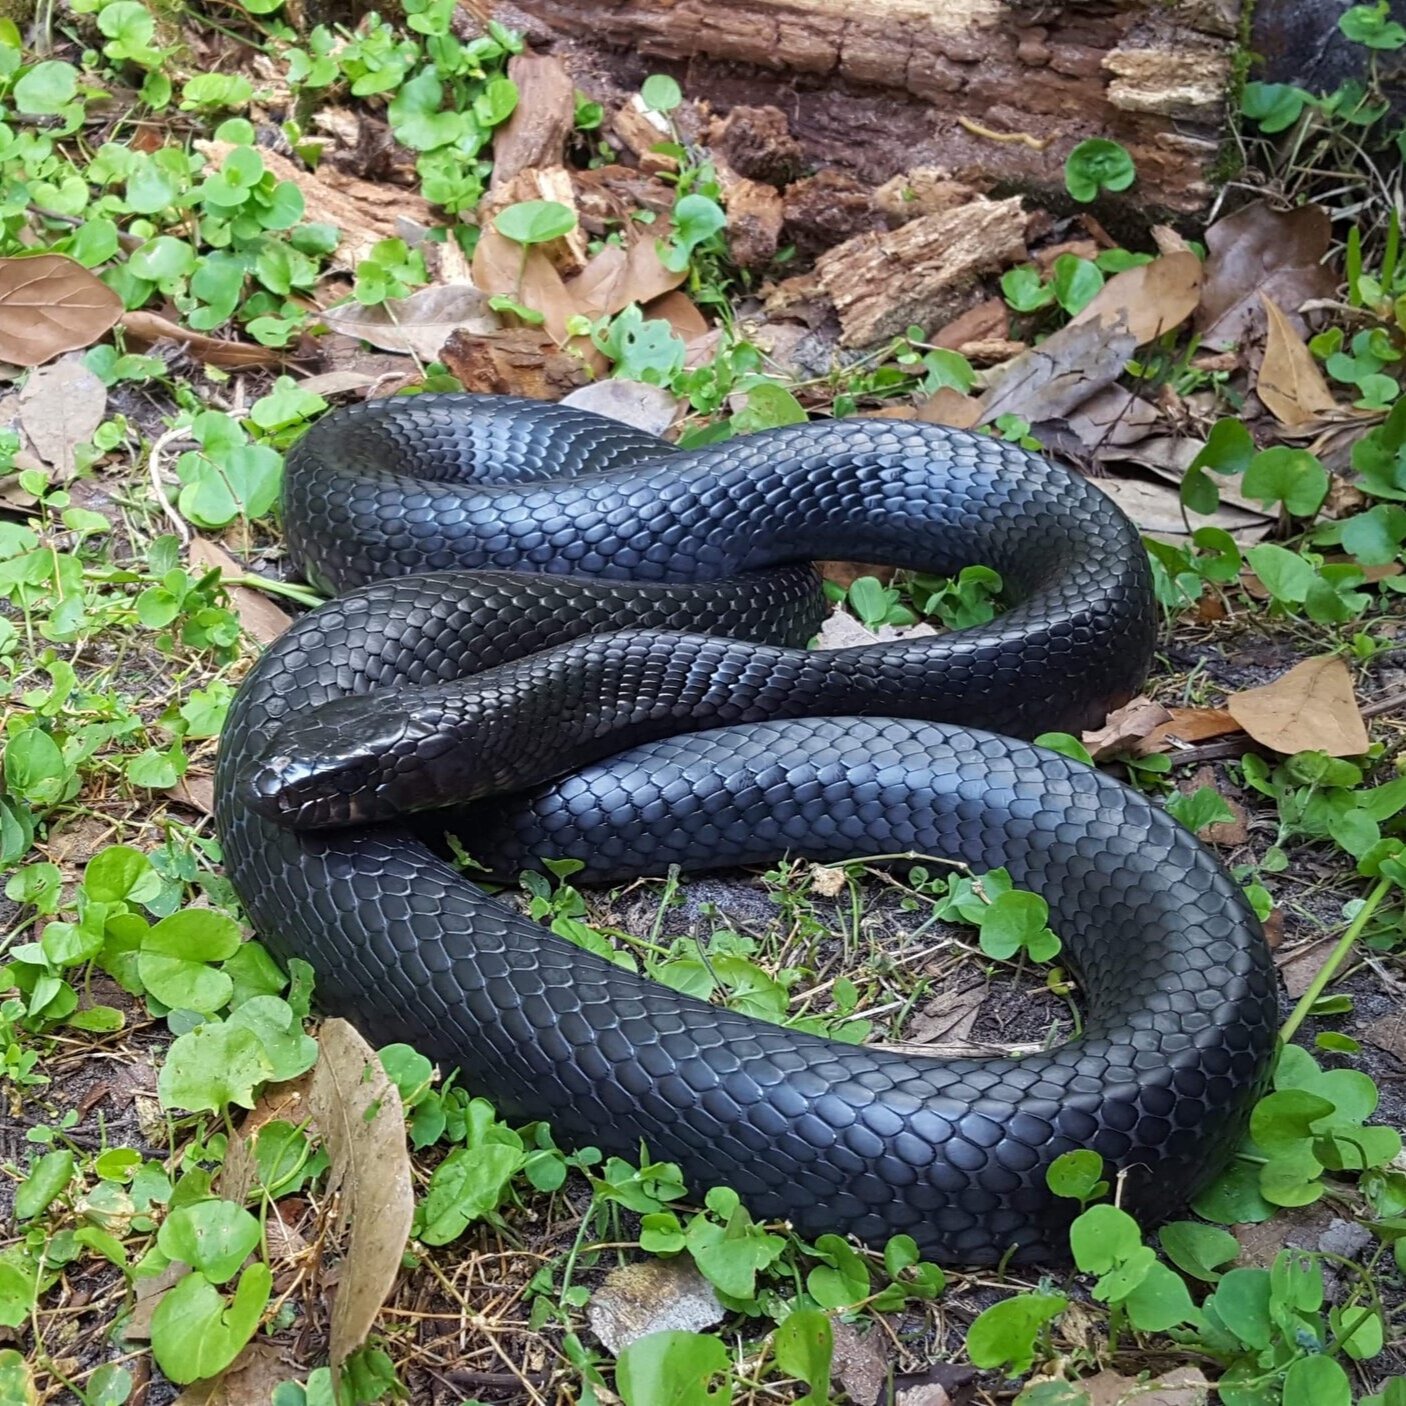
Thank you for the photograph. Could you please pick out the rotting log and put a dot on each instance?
(993, 92)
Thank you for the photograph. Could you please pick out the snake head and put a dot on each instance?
(347, 762)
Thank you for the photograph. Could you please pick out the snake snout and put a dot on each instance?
(310, 793)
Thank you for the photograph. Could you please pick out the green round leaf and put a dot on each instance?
(46, 89)
(672, 1369)
(196, 1332)
(1004, 1334)
(660, 93)
(215, 1237)
(534, 221)
(1097, 165)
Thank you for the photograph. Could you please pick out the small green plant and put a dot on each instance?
(1097, 165)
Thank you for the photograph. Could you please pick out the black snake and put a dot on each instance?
(528, 589)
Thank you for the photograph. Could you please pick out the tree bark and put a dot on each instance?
(994, 92)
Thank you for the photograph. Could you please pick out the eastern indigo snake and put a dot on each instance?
(568, 567)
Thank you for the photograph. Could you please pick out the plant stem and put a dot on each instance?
(1335, 960)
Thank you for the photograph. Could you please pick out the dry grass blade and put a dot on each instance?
(51, 304)
(359, 1112)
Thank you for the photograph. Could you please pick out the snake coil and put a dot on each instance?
(530, 592)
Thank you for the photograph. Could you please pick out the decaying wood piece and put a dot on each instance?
(989, 91)
(754, 218)
(536, 133)
(923, 272)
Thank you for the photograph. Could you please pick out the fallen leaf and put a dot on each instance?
(615, 277)
(515, 361)
(1227, 833)
(948, 1018)
(61, 407)
(1049, 381)
(648, 408)
(261, 619)
(987, 321)
(250, 1380)
(681, 313)
(288, 1102)
(148, 328)
(1261, 251)
(653, 1296)
(334, 383)
(1182, 1386)
(503, 269)
(1156, 508)
(1290, 384)
(536, 133)
(418, 325)
(197, 792)
(947, 406)
(1149, 299)
(1298, 966)
(1311, 708)
(50, 304)
(1389, 1034)
(359, 1112)
(1110, 419)
(1191, 725)
(1126, 727)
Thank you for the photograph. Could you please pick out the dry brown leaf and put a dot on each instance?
(948, 1018)
(1389, 1034)
(1299, 965)
(501, 270)
(649, 408)
(987, 321)
(335, 383)
(1290, 383)
(1156, 508)
(50, 304)
(1191, 725)
(536, 133)
(1261, 250)
(359, 1112)
(947, 406)
(250, 1380)
(148, 328)
(862, 1361)
(61, 407)
(614, 278)
(1182, 1386)
(681, 313)
(288, 1101)
(261, 619)
(1049, 381)
(1111, 419)
(197, 792)
(1150, 299)
(1125, 727)
(1311, 708)
(418, 325)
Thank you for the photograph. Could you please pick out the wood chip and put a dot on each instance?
(882, 282)
(537, 132)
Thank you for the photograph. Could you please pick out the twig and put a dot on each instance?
(1022, 138)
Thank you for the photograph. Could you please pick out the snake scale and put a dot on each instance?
(595, 642)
